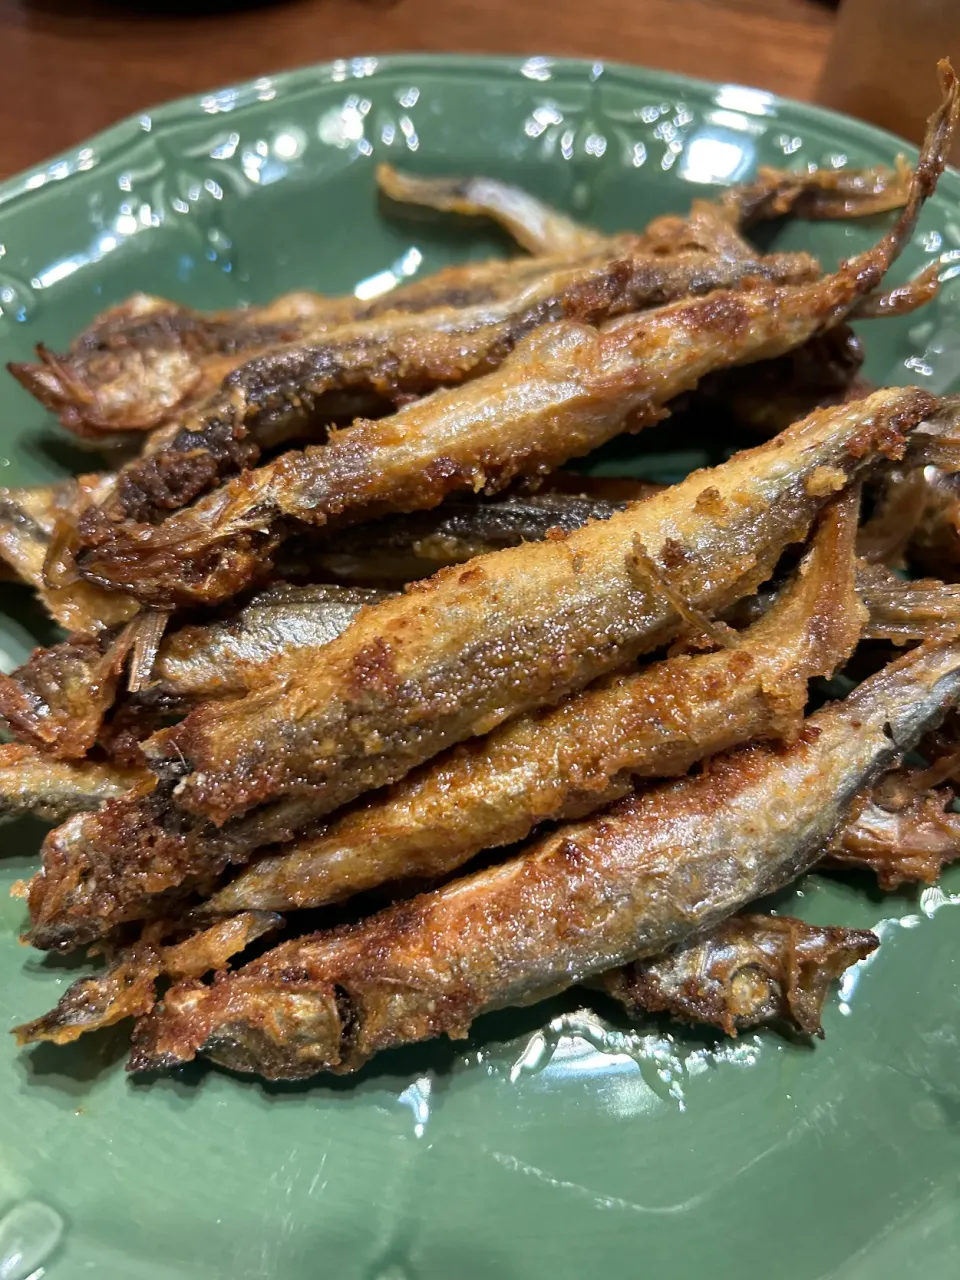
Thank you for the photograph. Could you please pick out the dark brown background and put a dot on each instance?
(68, 68)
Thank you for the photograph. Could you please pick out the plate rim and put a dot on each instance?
(107, 143)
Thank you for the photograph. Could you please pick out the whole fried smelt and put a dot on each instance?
(535, 226)
(654, 870)
(473, 646)
(140, 363)
(127, 988)
(29, 519)
(539, 228)
(565, 390)
(34, 783)
(137, 362)
(57, 700)
(451, 659)
(279, 395)
(227, 658)
(571, 760)
(901, 830)
(749, 970)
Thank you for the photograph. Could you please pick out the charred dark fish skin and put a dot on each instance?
(402, 549)
(574, 759)
(645, 876)
(749, 970)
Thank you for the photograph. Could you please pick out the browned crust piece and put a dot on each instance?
(646, 875)
(749, 970)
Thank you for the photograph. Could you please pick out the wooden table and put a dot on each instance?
(69, 68)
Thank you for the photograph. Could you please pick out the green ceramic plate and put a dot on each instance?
(557, 1142)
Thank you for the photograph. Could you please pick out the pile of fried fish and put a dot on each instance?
(340, 628)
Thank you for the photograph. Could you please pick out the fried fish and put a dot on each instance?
(51, 790)
(566, 389)
(749, 970)
(453, 658)
(472, 646)
(644, 876)
(541, 229)
(285, 393)
(127, 988)
(585, 753)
